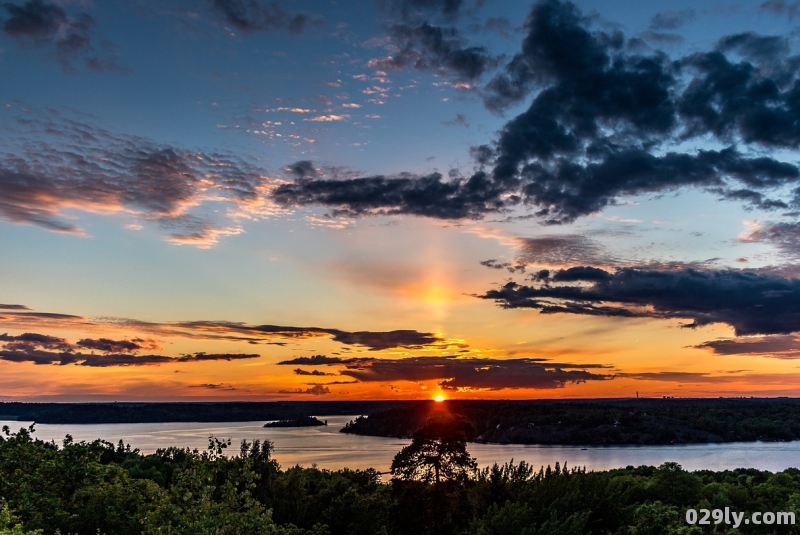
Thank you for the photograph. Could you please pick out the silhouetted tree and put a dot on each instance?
(438, 452)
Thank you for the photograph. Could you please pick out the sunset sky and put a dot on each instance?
(398, 199)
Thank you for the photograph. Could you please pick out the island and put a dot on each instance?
(305, 421)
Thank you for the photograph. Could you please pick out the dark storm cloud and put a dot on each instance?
(750, 303)
(42, 24)
(604, 120)
(13, 307)
(474, 374)
(425, 47)
(318, 373)
(76, 165)
(781, 346)
(257, 15)
(671, 20)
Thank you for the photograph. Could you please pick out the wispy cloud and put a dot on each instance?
(60, 163)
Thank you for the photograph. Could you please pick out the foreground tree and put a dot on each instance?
(438, 452)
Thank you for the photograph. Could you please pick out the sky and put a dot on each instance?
(398, 199)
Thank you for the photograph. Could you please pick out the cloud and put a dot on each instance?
(459, 373)
(750, 303)
(785, 236)
(76, 166)
(412, 9)
(227, 330)
(672, 20)
(474, 374)
(302, 169)
(374, 340)
(256, 15)
(13, 307)
(47, 24)
(327, 118)
(317, 390)
(442, 50)
(459, 120)
(299, 371)
(780, 346)
(316, 360)
(63, 358)
(214, 386)
(700, 377)
(29, 341)
(682, 377)
(116, 346)
(603, 121)
(427, 195)
(561, 250)
(781, 7)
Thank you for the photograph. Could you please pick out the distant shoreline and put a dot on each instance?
(592, 422)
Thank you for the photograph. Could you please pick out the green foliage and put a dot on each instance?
(99, 488)
(9, 524)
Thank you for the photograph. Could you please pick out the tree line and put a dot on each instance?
(629, 421)
(434, 488)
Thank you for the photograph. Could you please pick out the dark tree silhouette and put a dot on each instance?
(438, 452)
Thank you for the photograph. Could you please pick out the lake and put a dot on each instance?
(327, 448)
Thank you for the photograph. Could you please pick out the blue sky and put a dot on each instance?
(181, 177)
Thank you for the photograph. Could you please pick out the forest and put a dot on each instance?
(598, 422)
(434, 487)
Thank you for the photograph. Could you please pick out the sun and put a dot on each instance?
(439, 398)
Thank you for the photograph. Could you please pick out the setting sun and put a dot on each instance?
(438, 399)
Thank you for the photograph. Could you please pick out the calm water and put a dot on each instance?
(327, 448)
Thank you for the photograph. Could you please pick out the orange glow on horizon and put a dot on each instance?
(439, 398)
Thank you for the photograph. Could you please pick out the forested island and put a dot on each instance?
(305, 421)
(597, 422)
(434, 488)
